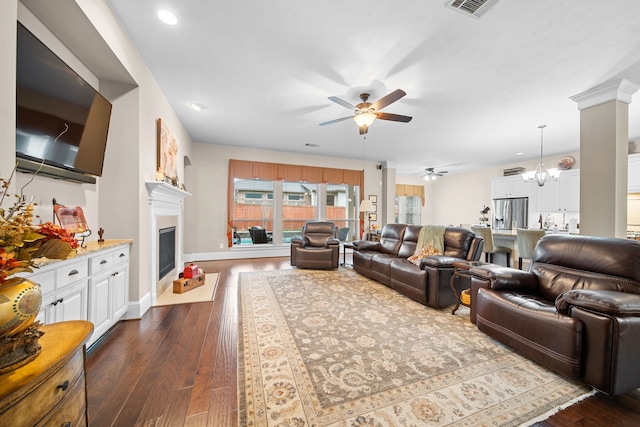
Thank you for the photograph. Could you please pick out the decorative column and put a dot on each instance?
(604, 146)
(388, 193)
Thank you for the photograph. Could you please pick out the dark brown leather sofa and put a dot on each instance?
(317, 248)
(576, 311)
(386, 262)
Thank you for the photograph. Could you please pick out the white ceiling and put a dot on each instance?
(477, 88)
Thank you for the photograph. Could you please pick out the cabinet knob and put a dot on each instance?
(115, 273)
(64, 385)
(73, 272)
(104, 261)
(122, 255)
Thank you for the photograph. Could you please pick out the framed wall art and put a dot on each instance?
(373, 217)
(167, 151)
(373, 198)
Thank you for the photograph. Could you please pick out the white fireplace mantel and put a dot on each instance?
(161, 193)
(164, 200)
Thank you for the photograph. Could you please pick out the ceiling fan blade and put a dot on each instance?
(394, 117)
(330, 122)
(342, 102)
(363, 129)
(388, 99)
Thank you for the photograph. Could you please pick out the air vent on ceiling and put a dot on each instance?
(475, 8)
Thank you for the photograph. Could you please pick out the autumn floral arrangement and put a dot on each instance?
(22, 242)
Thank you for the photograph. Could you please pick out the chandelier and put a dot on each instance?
(540, 175)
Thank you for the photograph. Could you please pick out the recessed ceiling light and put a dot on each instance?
(520, 154)
(167, 17)
(196, 106)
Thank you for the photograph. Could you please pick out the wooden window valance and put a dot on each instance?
(246, 169)
(410, 190)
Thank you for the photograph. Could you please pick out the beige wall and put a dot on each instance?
(206, 180)
(118, 202)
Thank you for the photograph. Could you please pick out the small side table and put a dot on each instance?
(345, 246)
(461, 271)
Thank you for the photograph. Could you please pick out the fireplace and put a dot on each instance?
(166, 251)
(165, 212)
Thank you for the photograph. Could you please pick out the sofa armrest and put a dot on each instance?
(332, 242)
(439, 261)
(607, 302)
(299, 241)
(365, 245)
(505, 278)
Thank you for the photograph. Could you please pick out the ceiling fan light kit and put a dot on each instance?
(432, 175)
(365, 113)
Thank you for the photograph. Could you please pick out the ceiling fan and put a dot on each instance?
(431, 174)
(366, 112)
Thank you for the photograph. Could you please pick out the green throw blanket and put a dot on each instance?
(431, 235)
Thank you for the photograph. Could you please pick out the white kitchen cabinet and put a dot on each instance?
(634, 173)
(562, 195)
(509, 186)
(570, 190)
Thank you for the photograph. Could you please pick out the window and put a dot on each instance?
(252, 207)
(408, 210)
(281, 198)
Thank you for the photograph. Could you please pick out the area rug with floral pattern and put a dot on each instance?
(333, 348)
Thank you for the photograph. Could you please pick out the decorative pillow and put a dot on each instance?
(423, 253)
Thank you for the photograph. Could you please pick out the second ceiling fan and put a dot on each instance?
(365, 112)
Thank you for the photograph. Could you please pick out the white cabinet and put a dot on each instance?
(562, 195)
(509, 186)
(634, 173)
(64, 291)
(92, 286)
(108, 289)
(570, 190)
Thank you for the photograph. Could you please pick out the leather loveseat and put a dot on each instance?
(576, 311)
(386, 262)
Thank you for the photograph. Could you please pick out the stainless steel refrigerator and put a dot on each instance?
(509, 214)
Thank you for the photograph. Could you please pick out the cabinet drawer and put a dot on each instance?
(121, 255)
(47, 395)
(46, 280)
(71, 410)
(71, 273)
(101, 263)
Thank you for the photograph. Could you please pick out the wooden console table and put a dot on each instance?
(50, 390)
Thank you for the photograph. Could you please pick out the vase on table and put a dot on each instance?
(20, 301)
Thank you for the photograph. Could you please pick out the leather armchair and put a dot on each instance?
(576, 311)
(318, 246)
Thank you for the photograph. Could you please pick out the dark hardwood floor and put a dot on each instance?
(177, 366)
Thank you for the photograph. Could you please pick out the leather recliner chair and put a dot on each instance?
(576, 311)
(318, 246)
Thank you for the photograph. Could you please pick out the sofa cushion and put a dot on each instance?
(457, 242)
(563, 263)
(532, 326)
(391, 238)
(409, 280)
(381, 268)
(409, 241)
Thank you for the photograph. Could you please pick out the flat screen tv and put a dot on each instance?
(50, 97)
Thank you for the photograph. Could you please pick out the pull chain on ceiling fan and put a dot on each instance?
(366, 112)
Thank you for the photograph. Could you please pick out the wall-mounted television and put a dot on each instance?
(50, 97)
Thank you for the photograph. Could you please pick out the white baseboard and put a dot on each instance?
(268, 251)
(137, 308)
